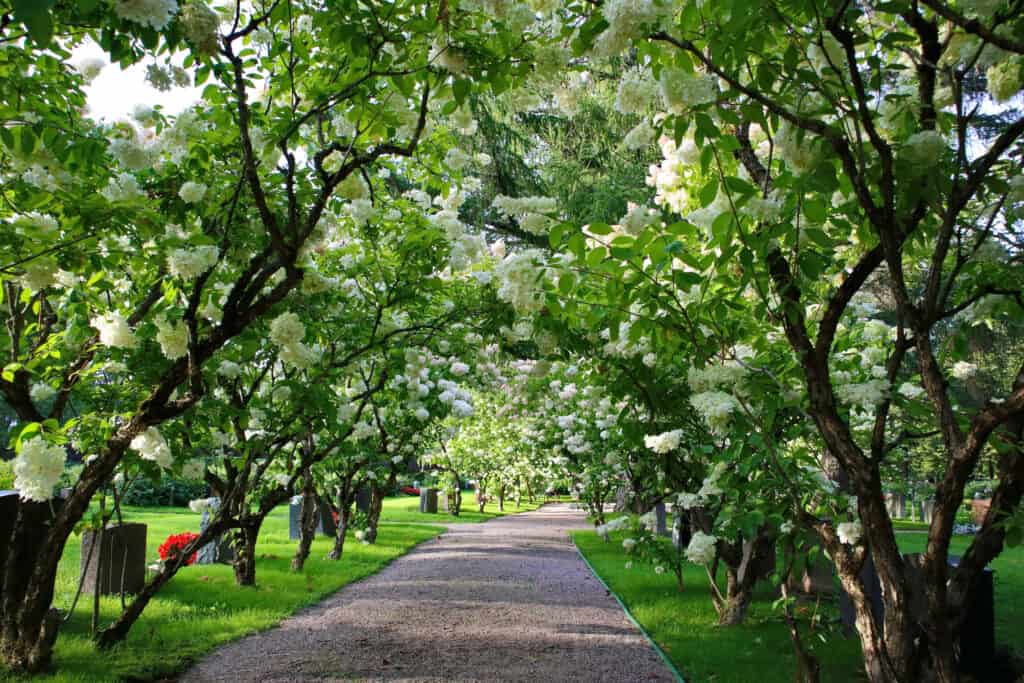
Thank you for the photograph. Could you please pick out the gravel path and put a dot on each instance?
(507, 600)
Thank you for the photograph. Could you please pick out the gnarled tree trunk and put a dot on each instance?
(244, 563)
(308, 516)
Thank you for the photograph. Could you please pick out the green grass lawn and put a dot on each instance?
(202, 607)
(684, 624)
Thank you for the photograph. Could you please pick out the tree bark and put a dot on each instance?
(308, 516)
(245, 552)
(373, 516)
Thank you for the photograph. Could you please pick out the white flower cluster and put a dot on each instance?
(38, 469)
(637, 92)
(665, 442)
(287, 331)
(681, 90)
(638, 218)
(192, 192)
(639, 137)
(849, 532)
(531, 212)
(153, 13)
(714, 405)
(669, 177)
(152, 446)
(628, 20)
(190, 263)
(701, 549)
(115, 331)
(122, 188)
(173, 338)
(519, 278)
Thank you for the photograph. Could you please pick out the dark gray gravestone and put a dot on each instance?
(364, 496)
(659, 511)
(328, 526)
(428, 501)
(37, 518)
(817, 577)
(122, 562)
(8, 513)
(324, 523)
(873, 589)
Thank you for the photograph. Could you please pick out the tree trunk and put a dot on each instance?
(308, 517)
(481, 496)
(344, 515)
(245, 552)
(733, 611)
(373, 516)
(501, 498)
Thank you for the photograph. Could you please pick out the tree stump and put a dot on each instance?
(120, 562)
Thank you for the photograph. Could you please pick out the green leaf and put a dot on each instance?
(599, 229)
(460, 89)
(815, 210)
(709, 192)
(566, 283)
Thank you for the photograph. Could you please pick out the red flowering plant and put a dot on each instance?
(174, 544)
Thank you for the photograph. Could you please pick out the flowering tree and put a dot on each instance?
(210, 219)
(799, 165)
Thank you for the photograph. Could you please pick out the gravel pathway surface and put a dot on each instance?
(506, 600)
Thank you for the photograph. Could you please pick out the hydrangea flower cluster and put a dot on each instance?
(38, 468)
(152, 446)
(701, 549)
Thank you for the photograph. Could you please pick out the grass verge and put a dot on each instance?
(684, 624)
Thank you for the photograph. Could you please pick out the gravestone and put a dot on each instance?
(8, 513)
(217, 550)
(120, 564)
(873, 590)
(680, 532)
(364, 496)
(37, 516)
(325, 523)
(443, 501)
(661, 529)
(817, 576)
(428, 500)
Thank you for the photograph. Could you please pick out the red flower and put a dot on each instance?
(175, 543)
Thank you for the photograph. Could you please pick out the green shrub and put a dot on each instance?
(167, 491)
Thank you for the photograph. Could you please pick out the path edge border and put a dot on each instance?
(629, 615)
